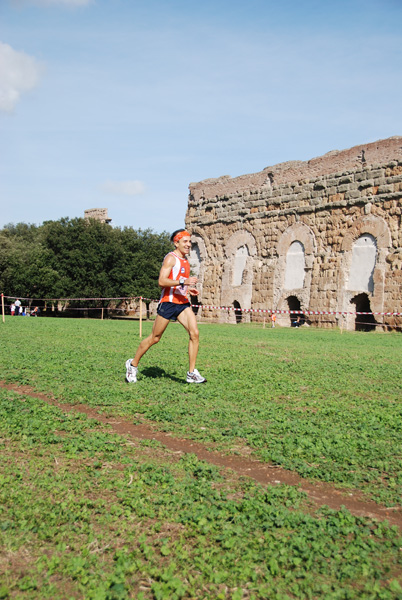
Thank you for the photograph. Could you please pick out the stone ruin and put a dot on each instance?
(318, 236)
(99, 214)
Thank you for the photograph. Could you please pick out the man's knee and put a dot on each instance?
(194, 334)
(150, 341)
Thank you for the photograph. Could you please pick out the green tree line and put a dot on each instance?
(79, 258)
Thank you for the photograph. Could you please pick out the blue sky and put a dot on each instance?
(122, 103)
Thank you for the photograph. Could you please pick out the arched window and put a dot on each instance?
(295, 263)
(239, 264)
(364, 254)
(194, 259)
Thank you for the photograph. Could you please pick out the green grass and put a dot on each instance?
(324, 404)
(85, 514)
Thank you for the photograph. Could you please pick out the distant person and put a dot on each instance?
(35, 312)
(273, 319)
(12, 309)
(17, 306)
(176, 284)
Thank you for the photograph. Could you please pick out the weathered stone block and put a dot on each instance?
(386, 189)
(346, 180)
(368, 183)
(353, 194)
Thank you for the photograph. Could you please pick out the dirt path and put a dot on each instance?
(320, 493)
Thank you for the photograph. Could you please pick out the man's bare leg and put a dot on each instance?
(158, 329)
(189, 322)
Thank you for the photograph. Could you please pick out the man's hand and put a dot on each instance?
(193, 292)
(191, 281)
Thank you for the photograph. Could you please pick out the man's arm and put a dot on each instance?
(164, 280)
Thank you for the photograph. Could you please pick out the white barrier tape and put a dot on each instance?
(232, 308)
(76, 299)
(293, 312)
(76, 308)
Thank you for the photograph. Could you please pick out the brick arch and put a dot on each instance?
(298, 232)
(238, 239)
(239, 293)
(375, 226)
(379, 230)
(198, 237)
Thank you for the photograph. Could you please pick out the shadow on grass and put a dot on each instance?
(158, 373)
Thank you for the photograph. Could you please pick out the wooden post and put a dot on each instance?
(2, 306)
(102, 313)
(264, 324)
(140, 317)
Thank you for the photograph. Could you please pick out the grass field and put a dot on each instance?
(86, 514)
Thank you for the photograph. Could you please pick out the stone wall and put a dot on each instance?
(322, 235)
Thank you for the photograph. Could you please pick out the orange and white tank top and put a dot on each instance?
(178, 293)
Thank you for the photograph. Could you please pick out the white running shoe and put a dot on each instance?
(131, 372)
(195, 377)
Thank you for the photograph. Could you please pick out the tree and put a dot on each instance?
(24, 268)
(79, 258)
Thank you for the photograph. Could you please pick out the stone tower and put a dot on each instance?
(99, 214)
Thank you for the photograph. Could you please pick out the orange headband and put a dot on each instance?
(179, 235)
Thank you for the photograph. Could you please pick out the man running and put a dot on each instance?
(176, 283)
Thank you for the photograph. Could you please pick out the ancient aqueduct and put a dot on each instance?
(317, 236)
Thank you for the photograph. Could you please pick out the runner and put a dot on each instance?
(176, 284)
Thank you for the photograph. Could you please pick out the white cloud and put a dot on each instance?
(124, 188)
(19, 73)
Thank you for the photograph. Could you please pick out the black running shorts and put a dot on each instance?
(171, 310)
